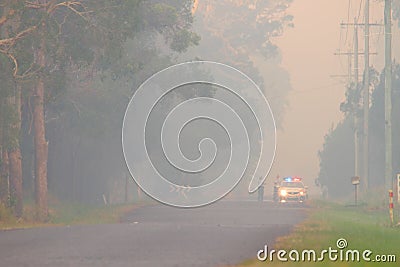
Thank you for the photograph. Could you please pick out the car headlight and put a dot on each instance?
(301, 193)
(283, 192)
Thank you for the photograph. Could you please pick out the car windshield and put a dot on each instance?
(292, 184)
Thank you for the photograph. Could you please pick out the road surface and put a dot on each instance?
(224, 233)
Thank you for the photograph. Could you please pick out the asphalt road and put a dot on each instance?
(224, 233)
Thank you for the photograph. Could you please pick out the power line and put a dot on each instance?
(378, 39)
(340, 45)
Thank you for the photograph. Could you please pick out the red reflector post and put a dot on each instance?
(391, 206)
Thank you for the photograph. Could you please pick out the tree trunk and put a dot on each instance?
(15, 163)
(40, 152)
(41, 149)
(16, 181)
(5, 185)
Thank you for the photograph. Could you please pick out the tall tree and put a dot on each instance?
(48, 41)
(84, 140)
(11, 180)
(241, 33)
(15, 159)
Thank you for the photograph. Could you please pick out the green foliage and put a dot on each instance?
(250, 25)
(161, 14)
(86, 118)
(241, 34)
(93, 32)
(183, 39)
(337, 155)
(6, 216)
(98, 53)
(352, 103)
(67, 214)
(337, 159)
(363, 229)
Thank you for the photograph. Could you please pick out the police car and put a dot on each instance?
(292, 189)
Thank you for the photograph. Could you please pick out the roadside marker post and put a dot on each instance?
(391, 205)
(398, 188)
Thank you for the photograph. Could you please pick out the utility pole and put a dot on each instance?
(366, 99)
(356, 132)
(388, 96)
(356, 53)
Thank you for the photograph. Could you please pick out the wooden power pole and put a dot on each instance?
(356, 131)
(366, 100)
(388, 96)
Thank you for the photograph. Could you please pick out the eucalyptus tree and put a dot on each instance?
(242, 34)
(45, 41)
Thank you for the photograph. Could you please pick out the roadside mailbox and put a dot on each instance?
(355, 180)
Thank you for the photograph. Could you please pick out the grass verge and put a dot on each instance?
(364, 228)
(67, 214)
